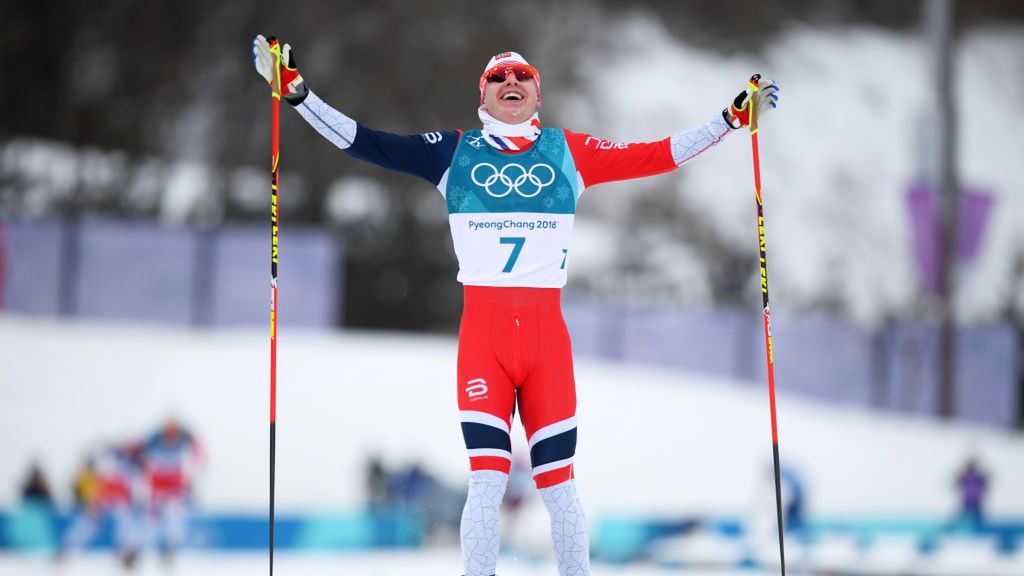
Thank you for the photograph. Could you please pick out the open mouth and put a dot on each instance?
(512, 96)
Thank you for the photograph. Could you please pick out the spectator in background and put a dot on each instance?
(793, 509)
(413, 489)
(378, 488)
(36, 489)
(427, 500)
(761, 529)
(30, 525)
(764, 518)
(87, 485)
(412, 485)
(972, 485)
(381, 500)
(170, 459)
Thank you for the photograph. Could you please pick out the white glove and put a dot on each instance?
(264, 57)
(737, 114)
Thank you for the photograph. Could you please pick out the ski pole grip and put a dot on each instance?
(754, 82)
(275, 50)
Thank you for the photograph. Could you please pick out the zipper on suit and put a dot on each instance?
(516, 349)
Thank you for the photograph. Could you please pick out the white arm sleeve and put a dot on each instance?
(330, 123)
(688, 145)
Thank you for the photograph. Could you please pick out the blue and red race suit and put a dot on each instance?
(511, 216)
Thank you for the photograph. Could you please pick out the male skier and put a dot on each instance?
(170, 457)
(511, 188)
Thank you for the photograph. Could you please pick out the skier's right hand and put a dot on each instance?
(265, 55)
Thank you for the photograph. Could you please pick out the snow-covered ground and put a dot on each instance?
(652, 441)
(433, 563)
(446, 562)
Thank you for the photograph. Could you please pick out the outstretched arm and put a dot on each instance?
(424, 155)
(599, 160)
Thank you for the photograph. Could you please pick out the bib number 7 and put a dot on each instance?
(517, 247)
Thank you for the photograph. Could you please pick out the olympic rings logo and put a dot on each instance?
(505, 177)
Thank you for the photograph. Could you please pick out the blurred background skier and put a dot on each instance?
(107, 492)
(171, 458)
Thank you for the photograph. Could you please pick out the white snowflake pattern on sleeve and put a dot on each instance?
(688, 145)
(331, 124)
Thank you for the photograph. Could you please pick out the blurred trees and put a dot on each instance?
(143, 86)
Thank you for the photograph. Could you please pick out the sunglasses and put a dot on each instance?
(500, 73)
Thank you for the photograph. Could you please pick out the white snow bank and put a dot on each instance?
(651, 440)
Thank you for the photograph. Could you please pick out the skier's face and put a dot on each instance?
(512, 101)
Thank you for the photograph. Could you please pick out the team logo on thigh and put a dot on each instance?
(512, 178)
(476, 388)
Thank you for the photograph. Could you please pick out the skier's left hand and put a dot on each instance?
(265, 54)
(737, 114)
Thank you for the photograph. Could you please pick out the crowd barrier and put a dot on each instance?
(104, 269)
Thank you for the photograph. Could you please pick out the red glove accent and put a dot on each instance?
(293, 88)
(765, 94)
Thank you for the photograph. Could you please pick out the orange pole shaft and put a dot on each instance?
(274, 172)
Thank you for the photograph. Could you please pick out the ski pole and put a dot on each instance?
(275, 49)
(753, 85)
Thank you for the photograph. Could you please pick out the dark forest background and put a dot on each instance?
(161, 81)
